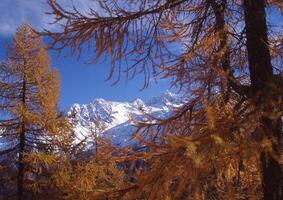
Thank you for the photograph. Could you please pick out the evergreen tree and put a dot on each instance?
(29, 95)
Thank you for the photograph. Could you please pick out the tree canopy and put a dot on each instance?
(226, 56)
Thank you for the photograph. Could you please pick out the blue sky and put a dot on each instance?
(80, 83)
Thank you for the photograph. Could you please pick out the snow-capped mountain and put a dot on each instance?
(112, 119)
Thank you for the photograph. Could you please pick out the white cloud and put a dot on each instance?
(15, 12)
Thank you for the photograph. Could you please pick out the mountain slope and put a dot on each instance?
(111, 119)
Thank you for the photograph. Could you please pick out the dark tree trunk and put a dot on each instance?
(257, 44)
(271, 169)
(219, 12)
(20, 178)
(21, 165)
(261, 74)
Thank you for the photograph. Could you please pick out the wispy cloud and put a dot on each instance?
(15, 12)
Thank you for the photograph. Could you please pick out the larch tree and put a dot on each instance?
(29, 117)
(227, 57)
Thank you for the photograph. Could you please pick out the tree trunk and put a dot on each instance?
(257, 44)
(261, 74)
(20, 178)
(271, 169)
(21, 165)
(219, 12)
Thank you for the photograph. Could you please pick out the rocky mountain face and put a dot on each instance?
(113, 120)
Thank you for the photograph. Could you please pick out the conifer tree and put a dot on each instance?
(228, 59)
(29, 95)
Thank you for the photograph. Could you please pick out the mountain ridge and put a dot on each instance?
(112, 119)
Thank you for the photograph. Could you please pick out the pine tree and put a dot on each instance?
(29, 95)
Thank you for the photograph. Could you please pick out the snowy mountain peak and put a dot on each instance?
(138, 103)
(166, 100)
(114, 118)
